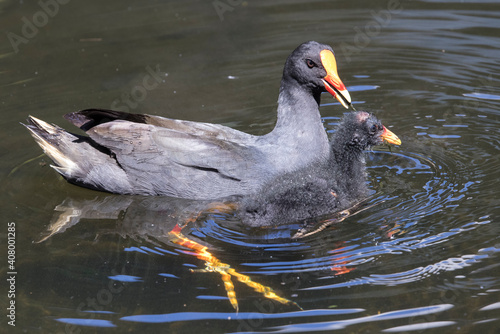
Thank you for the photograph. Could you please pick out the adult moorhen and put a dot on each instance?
(151, 155)
(327, 187)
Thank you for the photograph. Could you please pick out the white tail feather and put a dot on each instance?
(65, 166)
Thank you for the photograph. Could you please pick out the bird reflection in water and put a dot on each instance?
(160, 221)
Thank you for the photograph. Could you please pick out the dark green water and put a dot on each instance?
(423, 258)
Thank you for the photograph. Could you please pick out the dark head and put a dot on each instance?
(312, 65)
(359, 131)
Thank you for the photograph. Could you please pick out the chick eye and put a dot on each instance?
(373, 128)
(310, 63)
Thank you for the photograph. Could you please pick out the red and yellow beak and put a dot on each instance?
(389, 137)
(332, 82)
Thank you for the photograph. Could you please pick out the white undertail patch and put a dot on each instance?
(65, 165)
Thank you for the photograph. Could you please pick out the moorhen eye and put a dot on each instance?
(374, 128)
(310, 63)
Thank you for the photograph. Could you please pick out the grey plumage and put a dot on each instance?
(322, 187)
(151, 155)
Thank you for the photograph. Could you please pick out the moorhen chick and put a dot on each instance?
(323, 187)
(151, 155)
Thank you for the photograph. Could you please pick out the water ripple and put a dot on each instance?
(197, 316)
(419, 327)
(483, 96)
(342, 324)
(402, 228)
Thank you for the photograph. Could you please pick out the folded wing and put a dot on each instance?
(168, 157)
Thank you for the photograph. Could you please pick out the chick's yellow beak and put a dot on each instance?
(389, 137)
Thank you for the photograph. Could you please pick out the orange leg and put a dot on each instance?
(214, 264)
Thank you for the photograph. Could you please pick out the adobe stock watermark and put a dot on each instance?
(11, 273)
(459, 113)
(471, 102)
(151, 80)
(31, 26)
(223, 6)
(103, 298)
(371, 29)
(454, 297)
(293, 279)
(256, 320)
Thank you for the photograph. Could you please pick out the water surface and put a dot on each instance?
(423, 257)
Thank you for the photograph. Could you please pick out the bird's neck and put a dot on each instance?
(298, 107)
(298, 116)
(345, 154)
(299, 130)
(347, 158)
(347, 165)
(299, 137)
